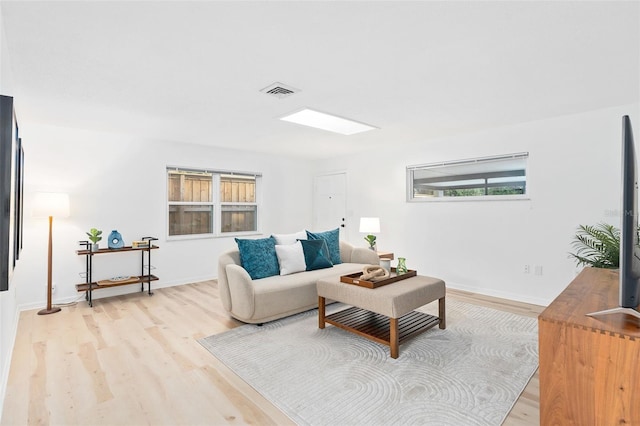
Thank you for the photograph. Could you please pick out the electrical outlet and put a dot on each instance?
(538, 269)
(526, 269)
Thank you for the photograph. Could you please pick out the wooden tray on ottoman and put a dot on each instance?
(354, 279)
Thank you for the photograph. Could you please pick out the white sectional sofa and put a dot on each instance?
(267, 299)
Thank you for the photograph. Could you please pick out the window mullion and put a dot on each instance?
(215, 196)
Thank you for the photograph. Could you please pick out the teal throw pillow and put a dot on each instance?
(258, 257)
(332, 239)
(316, 255)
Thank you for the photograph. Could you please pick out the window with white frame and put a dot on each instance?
(498, 177)
(211, 203)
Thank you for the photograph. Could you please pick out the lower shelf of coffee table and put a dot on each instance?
(377, 328)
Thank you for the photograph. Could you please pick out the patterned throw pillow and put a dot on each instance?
(258, 257)
(332, 239)
(316, 255)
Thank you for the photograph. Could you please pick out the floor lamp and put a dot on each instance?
(50, 204)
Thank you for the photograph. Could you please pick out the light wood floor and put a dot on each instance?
(135, 359)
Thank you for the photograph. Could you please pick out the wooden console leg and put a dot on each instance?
(393, 337)
(321, 312)
(442, 314)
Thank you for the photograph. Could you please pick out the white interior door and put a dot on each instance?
(330, 202)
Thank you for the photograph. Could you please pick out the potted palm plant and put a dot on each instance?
(95, 237)
(597, 246)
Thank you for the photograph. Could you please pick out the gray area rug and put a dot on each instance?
(469, 374)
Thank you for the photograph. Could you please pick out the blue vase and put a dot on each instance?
(115, 240)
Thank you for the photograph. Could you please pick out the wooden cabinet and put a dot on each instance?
(589, 366)
(89, 286)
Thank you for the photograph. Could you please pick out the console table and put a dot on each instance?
(589, 366)
(89, 286)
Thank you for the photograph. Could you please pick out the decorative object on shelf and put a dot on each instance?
(118, 281)
(115, 240)
(95, 236)
(370, 225)
(374, 273)
(402, 266)
(121, 278)
(140, 244)
(386, 264)
(49, 204)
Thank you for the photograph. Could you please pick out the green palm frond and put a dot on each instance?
(597, 246)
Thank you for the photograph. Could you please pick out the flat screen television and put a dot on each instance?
(8, 135)
(629, 251)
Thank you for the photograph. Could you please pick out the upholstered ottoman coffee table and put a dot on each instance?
(385, 314)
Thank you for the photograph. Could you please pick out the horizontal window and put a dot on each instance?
(497, 177)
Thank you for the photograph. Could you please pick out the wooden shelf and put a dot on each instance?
(96, 286)
(376, 327)
(108, 250)
(90, 285)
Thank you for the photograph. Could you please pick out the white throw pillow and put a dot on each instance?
(291, 258)
(286, 239)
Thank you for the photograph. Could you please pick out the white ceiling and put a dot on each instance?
(192, 71)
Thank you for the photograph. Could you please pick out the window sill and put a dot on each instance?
(472, 199)
(205, 236)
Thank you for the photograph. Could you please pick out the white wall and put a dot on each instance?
(482, 246)
(119, 182)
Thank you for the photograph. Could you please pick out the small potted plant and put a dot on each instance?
(371, 239)
(95, 236)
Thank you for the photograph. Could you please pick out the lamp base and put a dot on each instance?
(49, 311)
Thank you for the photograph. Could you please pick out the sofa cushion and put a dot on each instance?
(316, 254)
(290, 258)
(258, 257)
(282, 239)
(332, 239)
(280, 296)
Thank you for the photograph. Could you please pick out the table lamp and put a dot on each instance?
(370, 225)
(50, 204)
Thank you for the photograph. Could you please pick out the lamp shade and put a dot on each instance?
(47, 204)
(370, 225)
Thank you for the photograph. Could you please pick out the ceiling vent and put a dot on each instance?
(279, 90)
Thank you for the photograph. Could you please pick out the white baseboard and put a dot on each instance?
(501, 294)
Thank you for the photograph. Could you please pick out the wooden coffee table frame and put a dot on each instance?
(388, 331)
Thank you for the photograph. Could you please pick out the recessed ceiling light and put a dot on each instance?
(324, 121)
